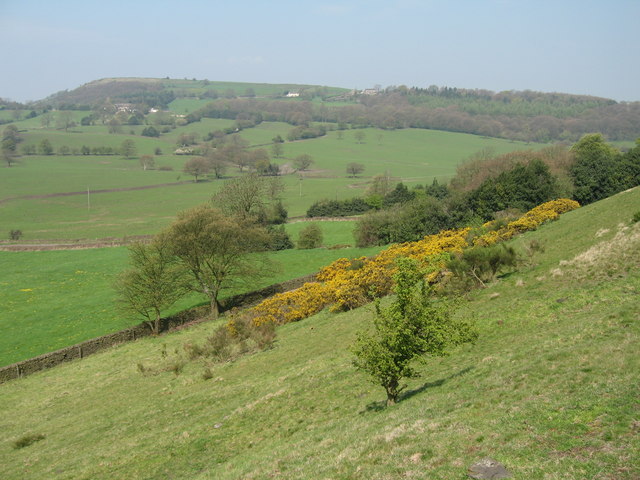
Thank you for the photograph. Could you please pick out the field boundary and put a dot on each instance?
(103, 190)
(95, 345)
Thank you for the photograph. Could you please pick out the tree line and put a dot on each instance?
(489, 187)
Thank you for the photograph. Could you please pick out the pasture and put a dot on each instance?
(52, 299)
(413, 156)
(549, 390)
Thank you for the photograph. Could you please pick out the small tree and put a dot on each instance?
(217, 163)
(303, 162)
(355, 168)
(128, 148)
(277, 150)
(147, 162)
(310, 237)
(45, 147)
(197, 167)
(154, 282)
(414, 326)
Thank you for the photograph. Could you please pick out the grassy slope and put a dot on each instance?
(58, 298)
(550, 390)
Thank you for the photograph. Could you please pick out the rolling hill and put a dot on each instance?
(550, 389)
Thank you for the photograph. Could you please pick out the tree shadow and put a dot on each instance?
(437, 383)
(382, 404)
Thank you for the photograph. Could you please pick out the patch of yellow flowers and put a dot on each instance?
(346, 284)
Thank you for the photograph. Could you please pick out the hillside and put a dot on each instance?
(550, 389)
(158, 92)
(515, 115)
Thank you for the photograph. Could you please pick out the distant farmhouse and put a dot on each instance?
(292, 94)
(124, 107)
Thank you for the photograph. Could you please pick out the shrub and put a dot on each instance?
(240, 335)
(480, 265)
(15, 234)
(636, 217)
(310, 237)
(27, 440)
(338, 208)
(346, 284)
(280, 239)
(413, 326)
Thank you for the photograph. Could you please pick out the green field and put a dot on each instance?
(550, 390)
(49, 305)
(53, 299)
(413, 156)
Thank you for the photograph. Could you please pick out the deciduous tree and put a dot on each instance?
(218, 250)
(128, 148)
(303, 162)
(197, 166)
(250, 197)
(414, 326)
(45, 147)
(155, 281)
(147, 162)
(355, 168)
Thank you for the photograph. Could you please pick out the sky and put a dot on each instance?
(569, 46)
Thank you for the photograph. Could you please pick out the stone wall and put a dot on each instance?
(88, 347)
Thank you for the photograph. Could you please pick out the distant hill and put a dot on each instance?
(156, 92)
(517, 115)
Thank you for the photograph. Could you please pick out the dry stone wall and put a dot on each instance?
(89, 347)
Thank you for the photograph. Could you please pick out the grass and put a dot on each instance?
(333, 232)
(58, 298)
(413, 156)
(550, 390)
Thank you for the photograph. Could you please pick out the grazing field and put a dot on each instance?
(413, 156)
(53, 299)
(550, 390)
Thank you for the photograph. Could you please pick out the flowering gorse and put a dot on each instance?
(345, 284)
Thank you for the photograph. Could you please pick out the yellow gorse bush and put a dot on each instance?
(529, 221)
(293, 305)
(345, 284)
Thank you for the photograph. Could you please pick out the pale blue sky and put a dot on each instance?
(571, 46)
